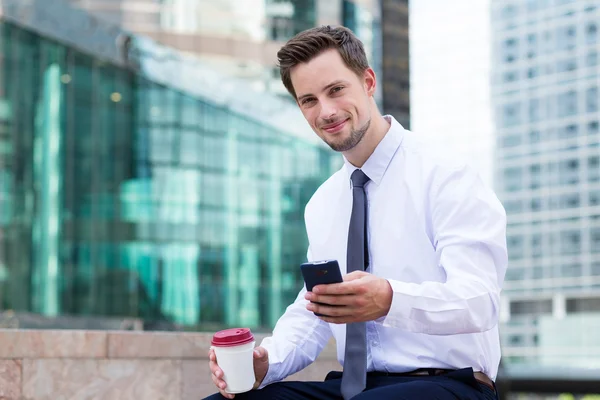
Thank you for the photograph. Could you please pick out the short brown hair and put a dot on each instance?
(310, 43)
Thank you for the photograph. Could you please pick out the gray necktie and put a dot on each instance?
(354, 377)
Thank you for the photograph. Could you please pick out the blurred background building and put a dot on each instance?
(135, 181)
(241, 38)
(546, 78)
(162, 175)
(395, 65)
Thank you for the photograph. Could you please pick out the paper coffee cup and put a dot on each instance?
(234, 348)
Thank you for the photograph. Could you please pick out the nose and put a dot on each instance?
(328, 109)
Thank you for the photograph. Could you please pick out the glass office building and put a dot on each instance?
(241, 38)
(546, 96)
(133, 183)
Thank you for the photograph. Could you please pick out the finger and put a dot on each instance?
(258, 353)
(331, 311)
(333, 289)
(221, 385)
(352, 276)
(226, 395)
(339, 300)
(261, 354)
(214, 368)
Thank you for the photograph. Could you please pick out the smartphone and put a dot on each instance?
(321, 273)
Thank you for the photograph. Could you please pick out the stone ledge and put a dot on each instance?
(40, 344)
(10, 379)
(116, 365)
(17, 344)
(101, 379)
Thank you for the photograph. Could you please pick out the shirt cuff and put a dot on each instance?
(270, 377)
(399, 310)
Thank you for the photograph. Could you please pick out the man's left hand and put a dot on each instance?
(361, 297)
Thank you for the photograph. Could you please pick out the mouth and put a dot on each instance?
(336, 127)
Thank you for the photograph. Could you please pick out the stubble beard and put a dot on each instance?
(351, 141)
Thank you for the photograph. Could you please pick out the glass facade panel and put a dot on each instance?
(122, 197)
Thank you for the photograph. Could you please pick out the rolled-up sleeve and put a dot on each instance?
(469, 235)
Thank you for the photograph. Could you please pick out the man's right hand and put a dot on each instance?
(261, 366)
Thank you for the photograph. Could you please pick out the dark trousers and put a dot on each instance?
(456, 385)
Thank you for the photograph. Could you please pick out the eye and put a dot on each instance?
(307, 100)
(336, 89)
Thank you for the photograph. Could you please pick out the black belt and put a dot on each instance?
(466, 375)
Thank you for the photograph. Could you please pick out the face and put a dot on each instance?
(334, 100)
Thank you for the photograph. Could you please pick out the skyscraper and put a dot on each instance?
(395, 71)
(546, 78)
(241, 38)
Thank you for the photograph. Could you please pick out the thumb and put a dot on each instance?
(260, 353)
(352, 276)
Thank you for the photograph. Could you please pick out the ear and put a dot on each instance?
(370, 81)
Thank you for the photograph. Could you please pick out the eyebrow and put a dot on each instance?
(332, 84)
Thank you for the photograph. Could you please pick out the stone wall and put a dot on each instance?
(115, 365)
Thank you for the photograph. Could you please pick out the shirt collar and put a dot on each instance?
(378, 162)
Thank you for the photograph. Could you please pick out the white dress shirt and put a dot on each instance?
(437, 234)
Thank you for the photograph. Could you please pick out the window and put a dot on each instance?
(569, 131)
(590, 304)
(515, 247)
(511, 114)
(568, 172)
(536, 204)
(515, 274)
(594, 169)
(511, 50)
(591, 99)
(567, 103)
(534, 110)
(567, 65)
(593, 128)
(531, 45)
(536, 245)
(515, 340)
(531, 307)
(511, 141)
(571, 270)
(591, 33)
(537, 272)
(591, 60)
(512, 179)
(566, 37)
(513, 206)
(594, 199)
(570, 242)
(509, 11)
(595, 240)
(533, 72)
(534, 136)
(534, 175)
(510, 76)
(570, 200)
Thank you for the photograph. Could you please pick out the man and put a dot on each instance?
(421, 239)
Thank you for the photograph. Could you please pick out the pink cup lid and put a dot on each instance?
(232, 337)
